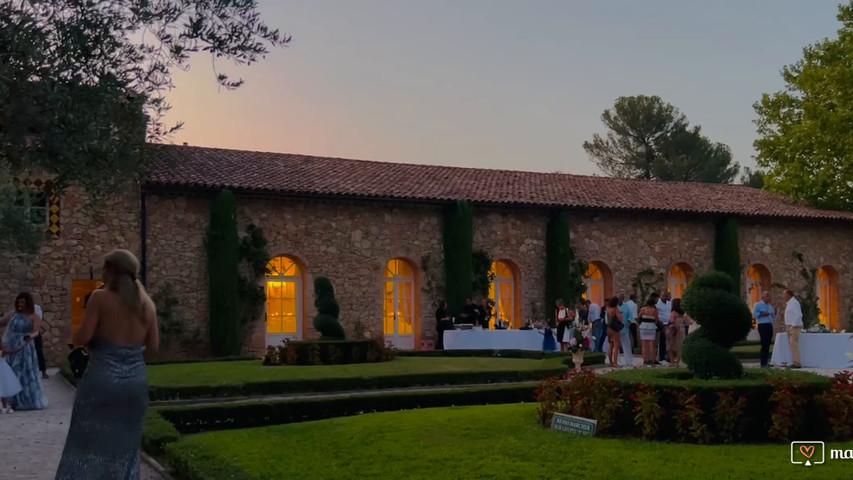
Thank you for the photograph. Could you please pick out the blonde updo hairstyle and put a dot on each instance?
(121, 270)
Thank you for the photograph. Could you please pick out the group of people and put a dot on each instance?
(119, 324)
(765, 316)
(660, 323)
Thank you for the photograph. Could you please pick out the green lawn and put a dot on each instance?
(494, 442)
(227, 373)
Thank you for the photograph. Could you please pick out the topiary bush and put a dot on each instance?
(326, 322)
(712, 301)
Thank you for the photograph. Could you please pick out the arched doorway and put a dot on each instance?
(827, 297)
(504, 291)
(284, 300)
(599, 283)
(757, 282)
(400, 316)
(679, 277)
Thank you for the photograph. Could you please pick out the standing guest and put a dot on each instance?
(664, 307)
(442, 323)
(106, 424)
(595, 322)
(470, 312)
(39, 339)
(583, 313)
(601, 330)
(648, 329)
(563, 317)
(632, 307)
(675, 332)
(629, 320)
(615, 325)
(793, 325)
(485, 313)
(764, 314)
(22, 325)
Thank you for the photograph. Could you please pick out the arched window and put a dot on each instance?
(757, 282)
(399, 323)
(284, 300)
(680, 276)
(827, 297)
(599, 283)
(504, 291)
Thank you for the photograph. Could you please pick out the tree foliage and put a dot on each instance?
(752, 178)
(650, 139)
(223, 276)
(727, 250)
(805, 131)
(458, 254)
(83, 83)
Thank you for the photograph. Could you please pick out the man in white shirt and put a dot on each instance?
(793, 325)
(596, 322)
(664, 308)
(632, 307)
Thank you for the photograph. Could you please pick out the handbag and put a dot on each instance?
(78, 359)
(616, 324)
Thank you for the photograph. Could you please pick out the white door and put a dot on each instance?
(283, 309)
(400, 312)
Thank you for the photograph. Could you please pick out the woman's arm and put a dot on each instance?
(90, 320)
(152, 337)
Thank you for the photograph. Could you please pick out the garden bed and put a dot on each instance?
(500, 441)
(669, 404)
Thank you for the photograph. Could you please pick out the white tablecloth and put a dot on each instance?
(817, 350)
(493, 340)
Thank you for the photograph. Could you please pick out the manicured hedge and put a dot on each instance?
(727, 250)
(157, 433)
(228, 416)
(237, 358)
(291, 386)
(755, 421)
(328, 352)
(589, 358)
(223, 276)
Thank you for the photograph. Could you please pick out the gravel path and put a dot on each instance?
(31, 442)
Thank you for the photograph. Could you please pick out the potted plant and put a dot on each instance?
(578, 343)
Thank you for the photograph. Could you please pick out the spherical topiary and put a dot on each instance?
(326, 321)
(707, 359)
(725, 319)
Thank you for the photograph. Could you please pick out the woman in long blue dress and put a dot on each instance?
(106, 424)
(22, 325)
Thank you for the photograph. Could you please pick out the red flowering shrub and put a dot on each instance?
(727, 414)
(838, 404)
(582, 394)
(647, 410)
(688, 418)
(786, 404)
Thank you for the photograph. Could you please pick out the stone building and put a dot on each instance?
(375, 229)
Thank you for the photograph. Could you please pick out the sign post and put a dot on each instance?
(577, 425)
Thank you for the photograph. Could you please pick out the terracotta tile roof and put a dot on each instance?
(281, 173)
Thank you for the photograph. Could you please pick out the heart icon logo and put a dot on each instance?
(807, 451)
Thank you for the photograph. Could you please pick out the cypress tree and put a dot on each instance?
(727, 251)
(223, 259)
(458, 254)
(558, 258)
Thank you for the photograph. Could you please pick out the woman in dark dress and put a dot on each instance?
(106, 423)
(564, 317)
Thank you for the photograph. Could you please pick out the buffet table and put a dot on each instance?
(493, 340)
(817, 350)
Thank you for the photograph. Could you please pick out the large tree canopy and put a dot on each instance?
(649, 138)
(806, 130)
(82, 85)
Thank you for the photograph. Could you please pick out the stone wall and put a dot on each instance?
(772, 244)
(88, 231)
(351, 242)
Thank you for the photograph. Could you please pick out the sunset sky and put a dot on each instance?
(494, 83)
